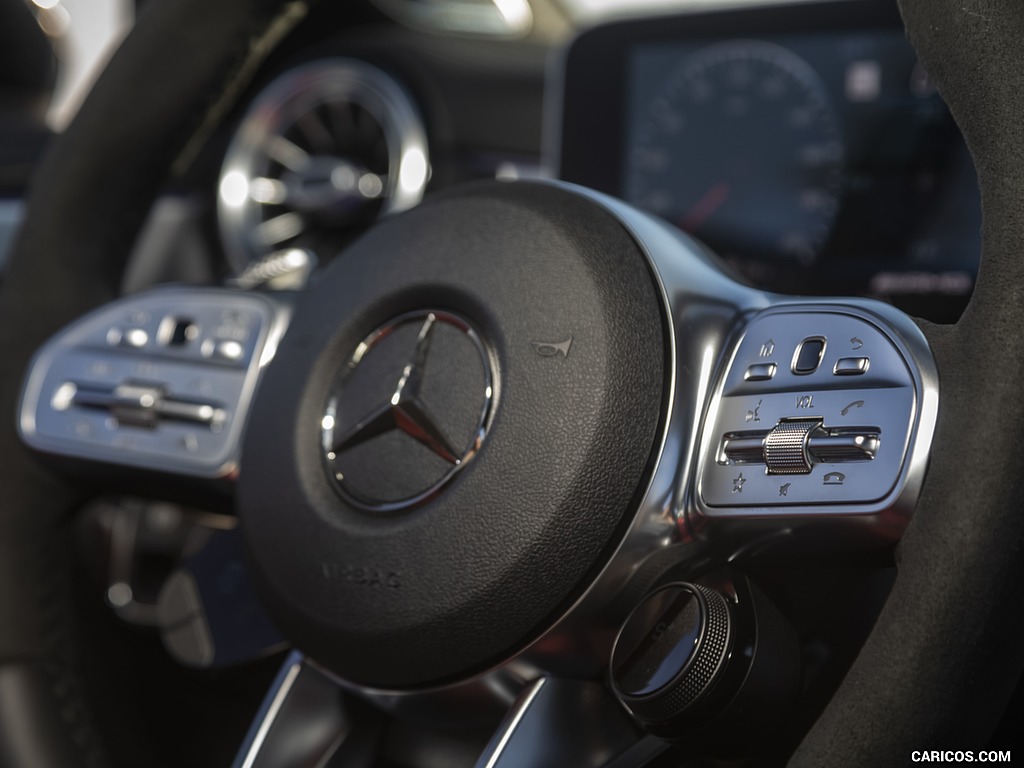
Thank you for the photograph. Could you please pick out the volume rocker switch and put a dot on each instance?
(785, 447)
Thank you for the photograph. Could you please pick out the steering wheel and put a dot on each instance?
(558, 372)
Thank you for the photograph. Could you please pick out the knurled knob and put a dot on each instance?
(671, 651)
(785, 447)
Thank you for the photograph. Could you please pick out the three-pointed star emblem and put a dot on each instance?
(405, 411)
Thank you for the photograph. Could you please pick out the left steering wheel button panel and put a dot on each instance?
(160, 380)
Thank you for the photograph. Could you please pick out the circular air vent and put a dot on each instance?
(322, 151)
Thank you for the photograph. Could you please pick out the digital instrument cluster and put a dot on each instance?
(804, 144)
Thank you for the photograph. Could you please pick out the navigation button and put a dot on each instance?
(760, 372)
(851, 366)
(134, 337)
(808, 355)
(230, 350)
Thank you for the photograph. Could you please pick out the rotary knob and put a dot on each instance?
(785, 447)
(671, 652)
(702, 664)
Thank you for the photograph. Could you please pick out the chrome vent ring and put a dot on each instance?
(322, 151)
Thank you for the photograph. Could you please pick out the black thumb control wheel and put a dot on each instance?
(696, 661)
(672, 651)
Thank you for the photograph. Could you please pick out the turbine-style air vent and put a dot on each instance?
(322, 151)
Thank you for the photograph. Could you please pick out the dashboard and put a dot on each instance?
(353, 117)
(804, 144)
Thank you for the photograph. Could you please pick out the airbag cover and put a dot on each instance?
(565, 307)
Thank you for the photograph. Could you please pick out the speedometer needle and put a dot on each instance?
(702, 210)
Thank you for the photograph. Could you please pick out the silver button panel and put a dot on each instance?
(831, 439)
(120, 385)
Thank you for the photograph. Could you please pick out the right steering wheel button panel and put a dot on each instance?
(828, 432)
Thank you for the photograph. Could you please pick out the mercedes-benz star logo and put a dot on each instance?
(409, 441)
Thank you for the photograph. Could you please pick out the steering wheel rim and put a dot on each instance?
(935, 613)
(100, 172)
(174, 72)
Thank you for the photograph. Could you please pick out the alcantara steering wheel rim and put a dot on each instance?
(944, 655)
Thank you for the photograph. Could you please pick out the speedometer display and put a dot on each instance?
(805, 145)
(740, 146)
